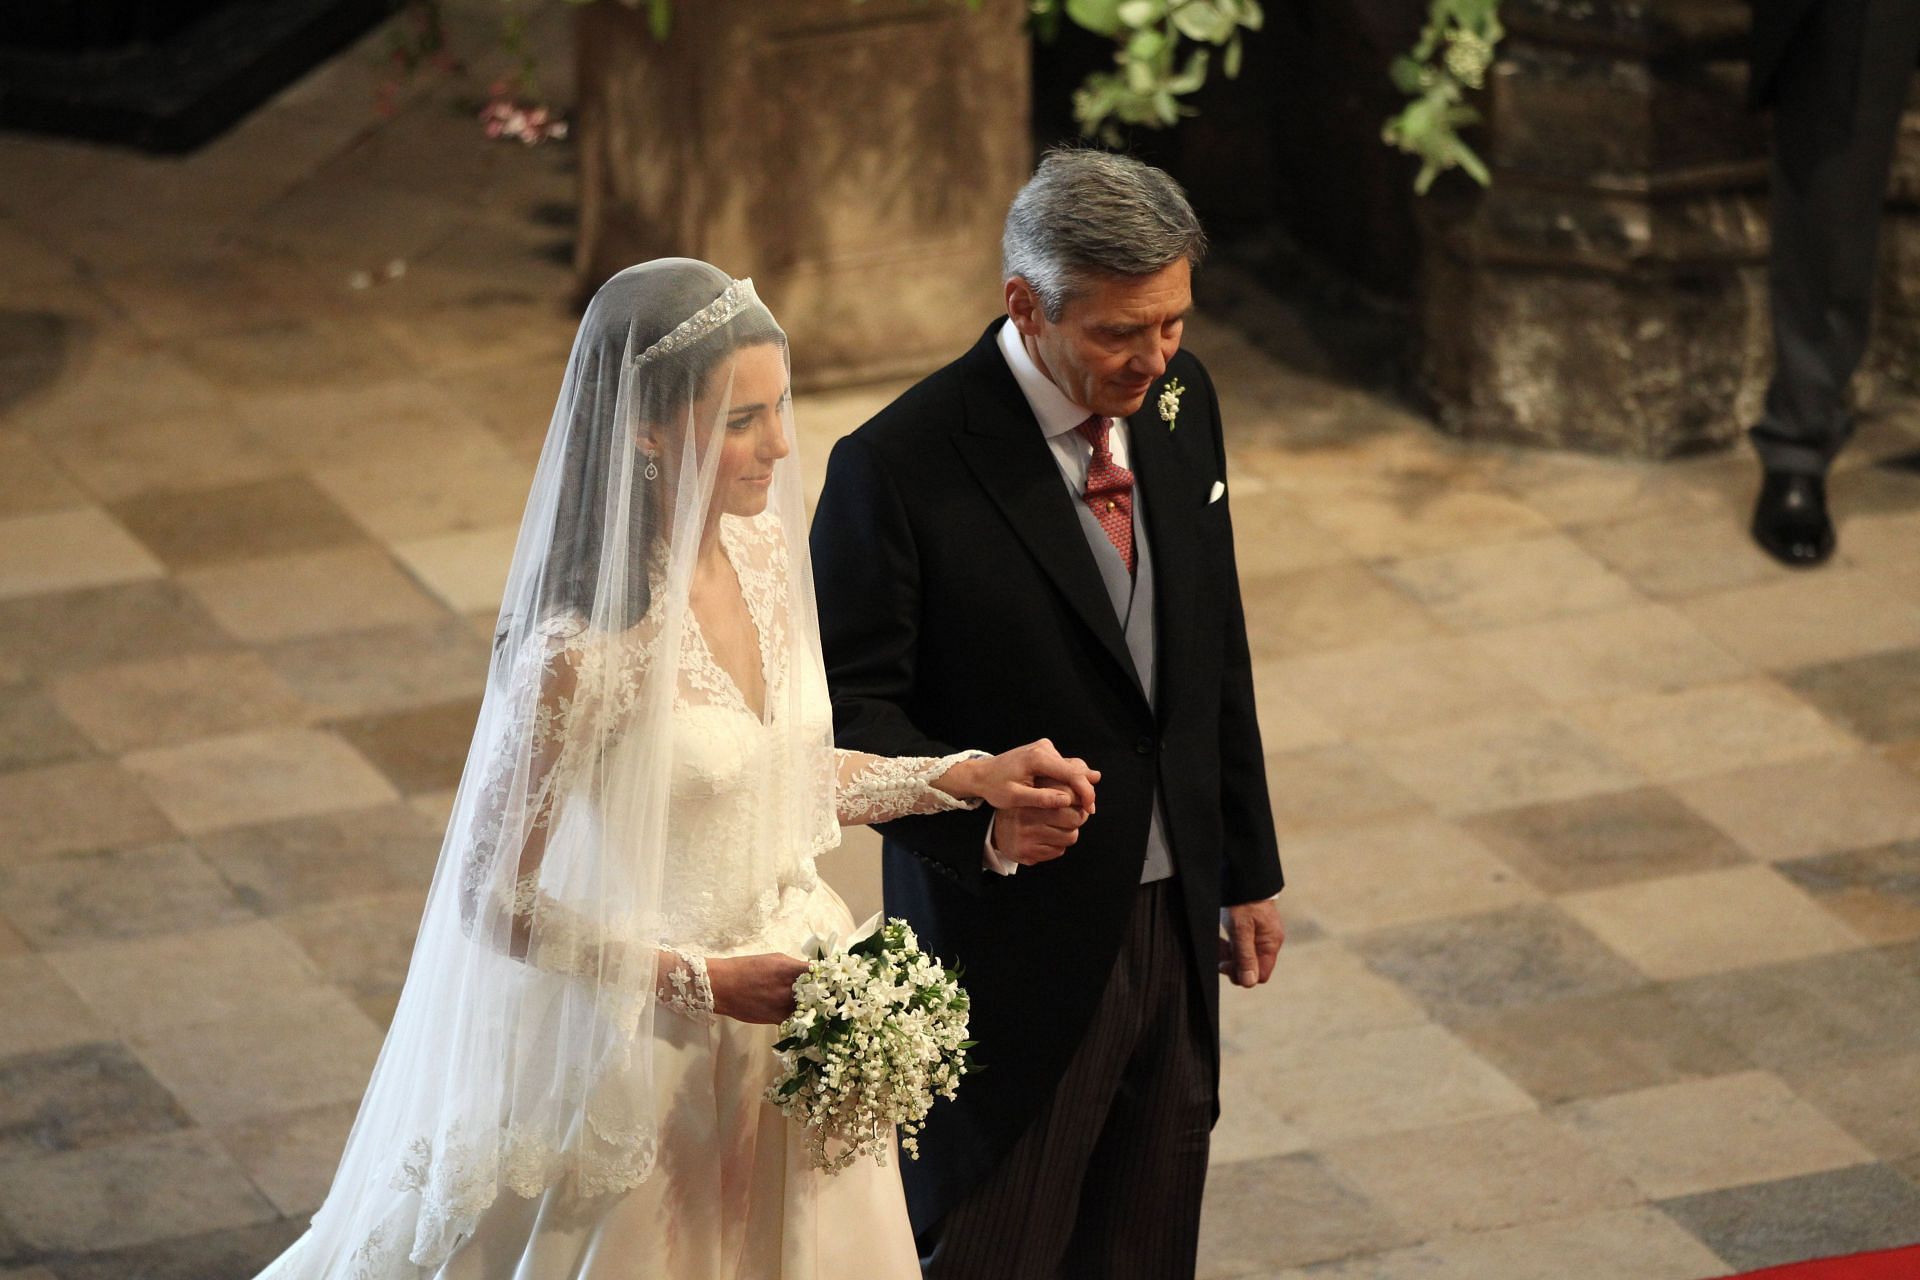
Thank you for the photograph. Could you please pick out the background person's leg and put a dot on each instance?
(1828, 188)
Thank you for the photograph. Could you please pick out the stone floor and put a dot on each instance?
(1603, 834)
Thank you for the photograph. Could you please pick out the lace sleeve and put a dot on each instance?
(565, 943)
(882, 788)
(520, 788)
(683, 985)
(527, 780)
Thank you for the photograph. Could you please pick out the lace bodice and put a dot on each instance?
(727, 779)
(743, 828)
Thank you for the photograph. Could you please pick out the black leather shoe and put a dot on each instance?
(1790, 521)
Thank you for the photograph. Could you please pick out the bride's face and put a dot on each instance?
(753, 434)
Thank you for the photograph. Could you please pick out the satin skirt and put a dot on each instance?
(733, 1198)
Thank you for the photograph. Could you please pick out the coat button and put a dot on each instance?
(1144, 747)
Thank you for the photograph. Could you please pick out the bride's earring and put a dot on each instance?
(653, 470)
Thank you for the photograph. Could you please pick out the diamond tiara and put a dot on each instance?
(734, 299)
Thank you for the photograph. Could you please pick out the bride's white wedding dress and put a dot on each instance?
(733, 1194)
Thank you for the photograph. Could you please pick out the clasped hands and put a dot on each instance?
(1040, 800)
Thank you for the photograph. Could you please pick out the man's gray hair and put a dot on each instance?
(1092, 213)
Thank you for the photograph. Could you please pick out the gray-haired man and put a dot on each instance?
(1035, 541)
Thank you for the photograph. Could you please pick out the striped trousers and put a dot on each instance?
(1107, 1180)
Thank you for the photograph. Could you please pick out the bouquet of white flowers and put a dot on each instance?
(878, 1030)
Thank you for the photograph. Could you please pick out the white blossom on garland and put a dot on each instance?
(878, 1031)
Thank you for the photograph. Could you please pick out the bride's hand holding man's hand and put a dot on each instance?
(1040, 798)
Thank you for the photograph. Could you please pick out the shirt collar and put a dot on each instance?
(1057, 415)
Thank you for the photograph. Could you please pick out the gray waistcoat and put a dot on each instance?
(1132, 597)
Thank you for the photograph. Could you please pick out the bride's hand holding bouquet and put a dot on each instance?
(879, 1030)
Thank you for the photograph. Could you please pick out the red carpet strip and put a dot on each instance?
(1887, 1264)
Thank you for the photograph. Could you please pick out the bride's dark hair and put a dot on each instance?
(628, 315)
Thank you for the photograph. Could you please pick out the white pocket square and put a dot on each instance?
(1219, 492)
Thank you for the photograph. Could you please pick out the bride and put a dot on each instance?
(573, 1082)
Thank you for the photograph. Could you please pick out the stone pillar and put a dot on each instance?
(855, 159)
(1609, 291)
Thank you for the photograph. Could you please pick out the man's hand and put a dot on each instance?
(1027, 836)
(1254, 935)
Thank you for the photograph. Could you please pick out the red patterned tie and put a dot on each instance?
(1109, 489)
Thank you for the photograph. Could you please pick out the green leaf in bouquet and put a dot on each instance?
(789, 1087)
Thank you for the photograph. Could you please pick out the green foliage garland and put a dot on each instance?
(1152, 72)
(1451, 59)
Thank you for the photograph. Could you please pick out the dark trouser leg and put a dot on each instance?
(1140, 1202)
(1137, 1094)
(1828, 187)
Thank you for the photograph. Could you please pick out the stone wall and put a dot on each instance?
(855, 159)
(1608, 291)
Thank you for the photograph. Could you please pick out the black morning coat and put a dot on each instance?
(961, 607)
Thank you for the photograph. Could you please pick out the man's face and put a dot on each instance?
(1113, 340)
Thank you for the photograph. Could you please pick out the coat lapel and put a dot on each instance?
(1008, 455)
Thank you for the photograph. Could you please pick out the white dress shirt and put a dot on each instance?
(1057, 418)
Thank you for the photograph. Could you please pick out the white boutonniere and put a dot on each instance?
(1170, 402)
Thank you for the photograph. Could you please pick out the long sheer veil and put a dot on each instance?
(519, 1057)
